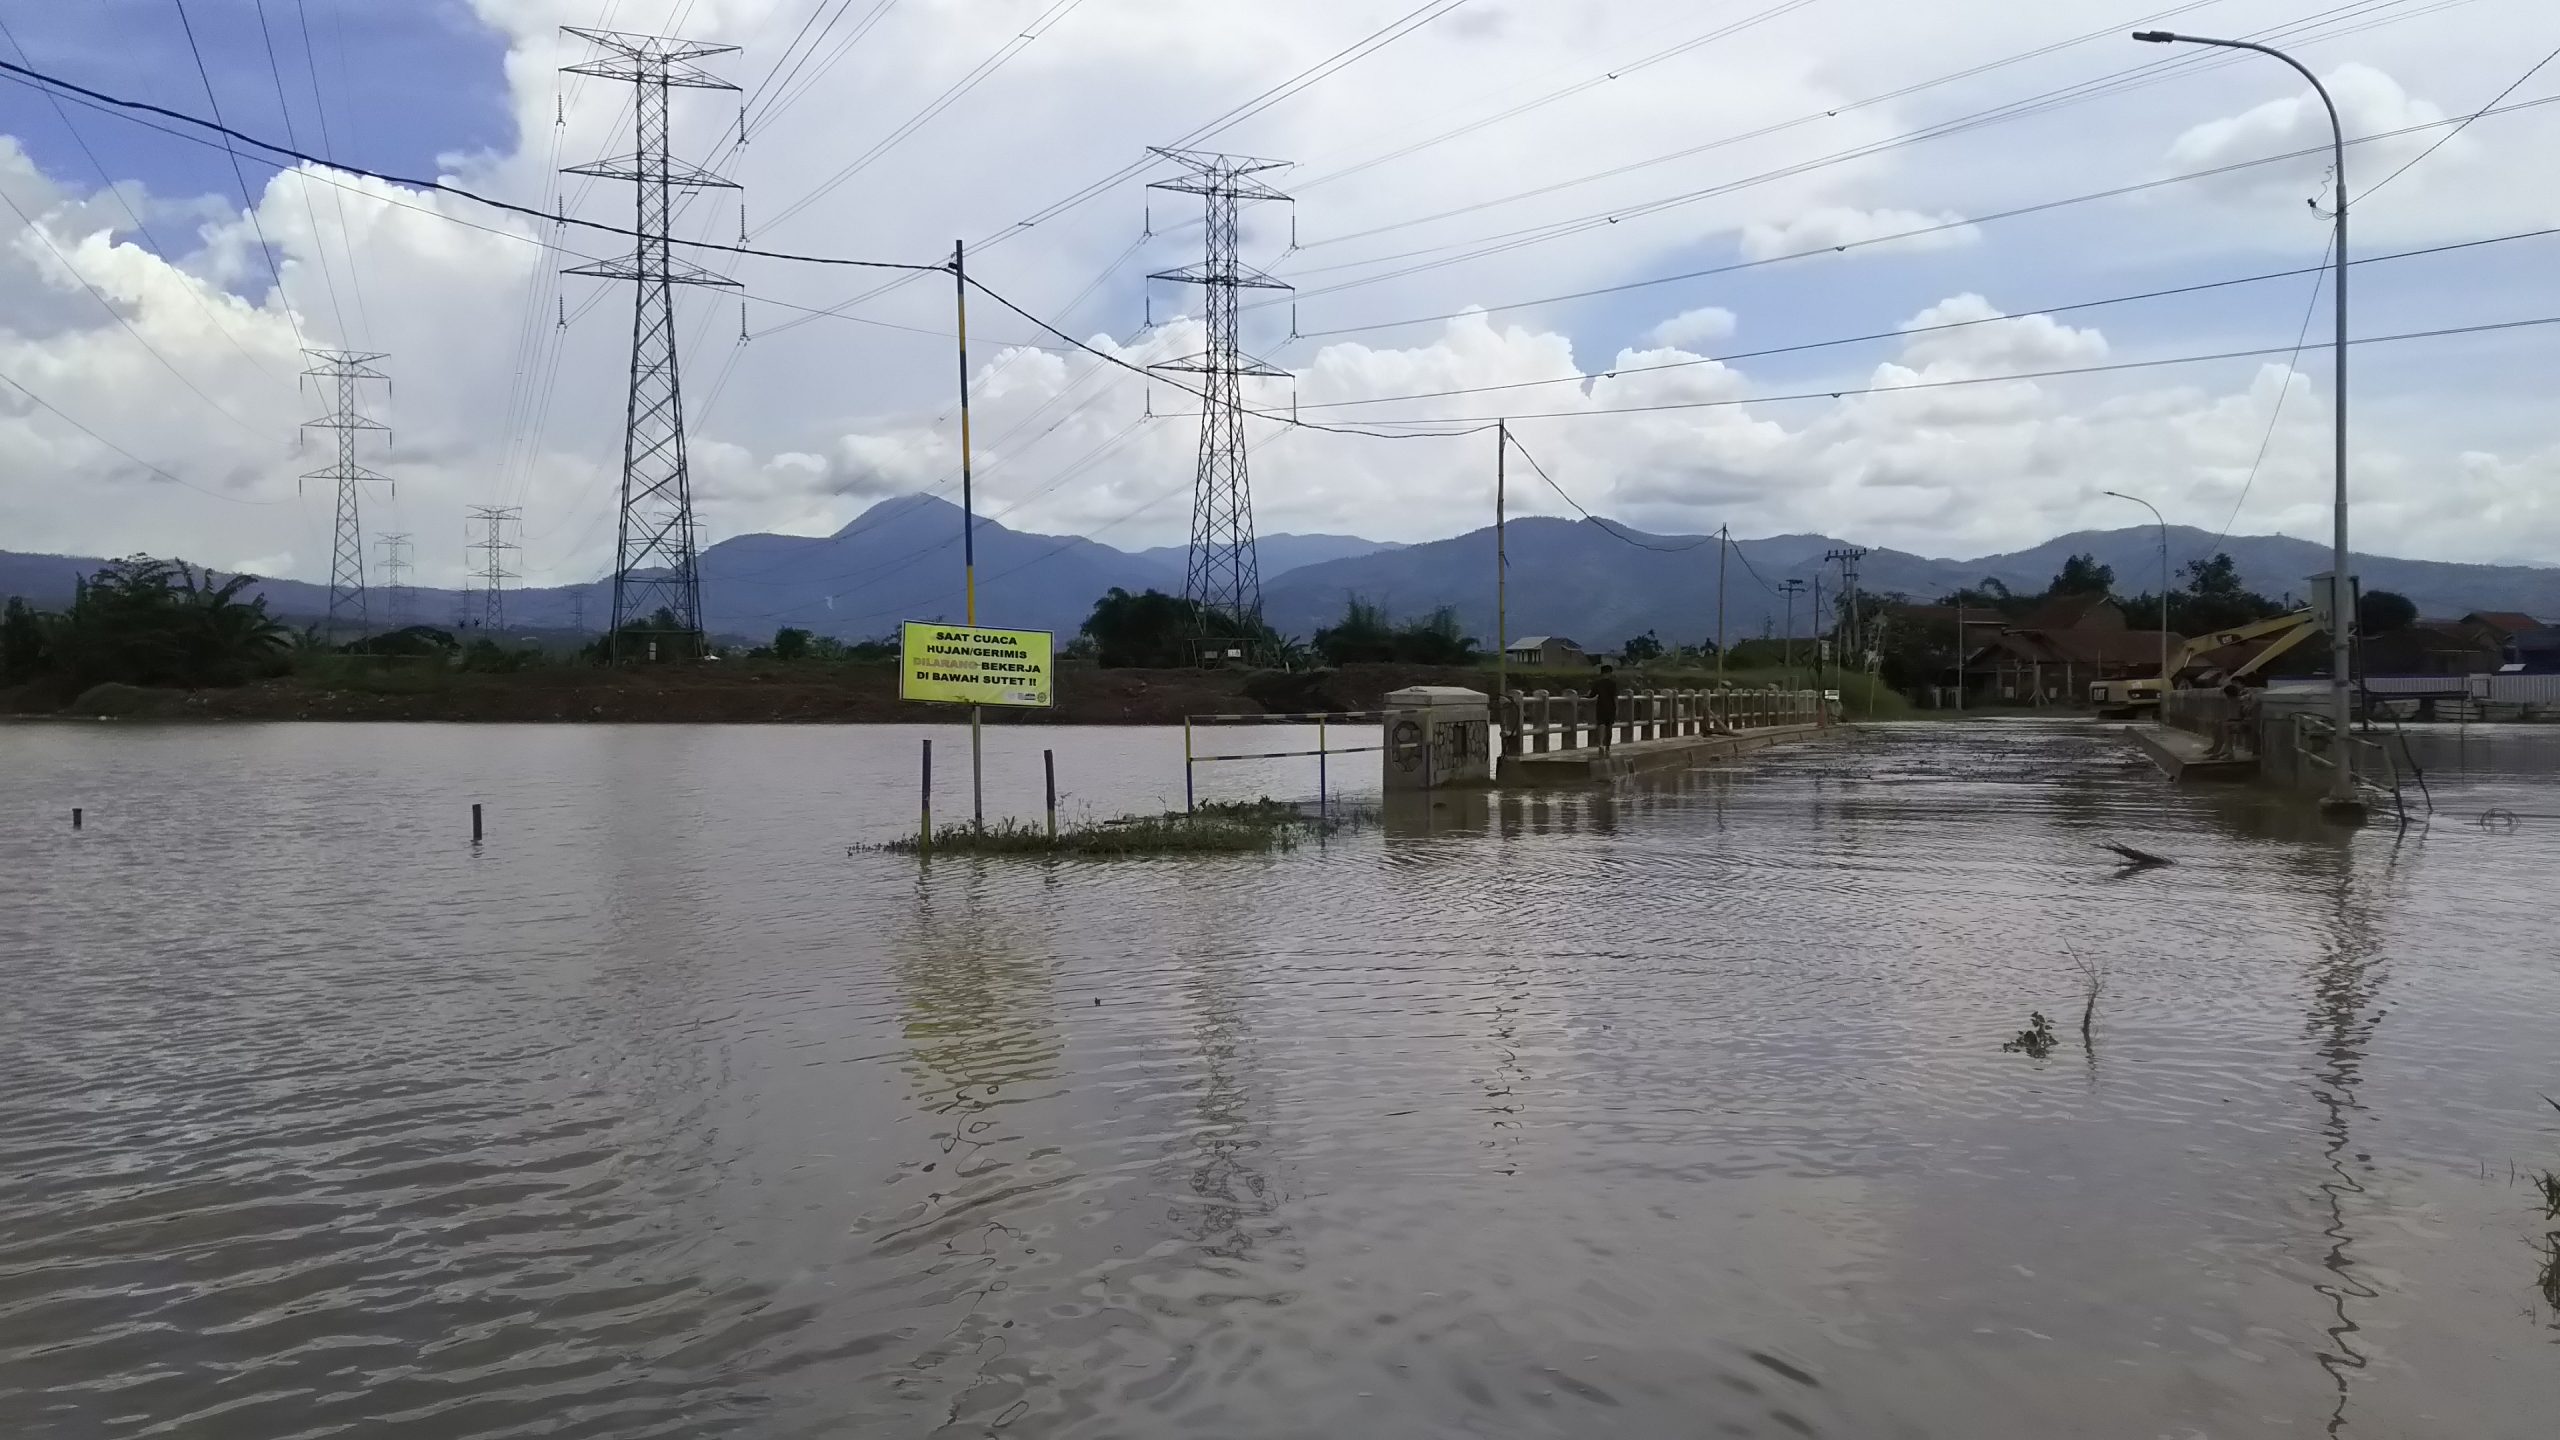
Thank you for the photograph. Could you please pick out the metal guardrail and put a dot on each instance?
(1323, 753)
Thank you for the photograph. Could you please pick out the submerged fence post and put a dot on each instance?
(924, 831)
(75, 817)
(475, 821)
(1190, 803)
(1049, 773)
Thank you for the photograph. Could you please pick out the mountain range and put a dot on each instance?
(1596, 581)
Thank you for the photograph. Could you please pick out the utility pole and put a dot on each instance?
(968, 531)
(1223, 584)
(346, 554)
(1501, 565)
(1724, 539)
(394, 564)
(1792, 588)
(655, 564)
(1817, 630)
(1848, 558)
(493, 572)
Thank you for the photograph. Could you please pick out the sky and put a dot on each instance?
(1783, 265)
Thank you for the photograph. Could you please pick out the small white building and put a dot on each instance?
(1553, 651)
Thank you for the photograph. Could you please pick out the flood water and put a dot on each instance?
(1674, 1111)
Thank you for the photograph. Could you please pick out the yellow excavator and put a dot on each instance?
(2281, 632)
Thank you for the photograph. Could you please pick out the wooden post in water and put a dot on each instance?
(75, 817)
(924, 832)
(1049, 775)
(475, 822)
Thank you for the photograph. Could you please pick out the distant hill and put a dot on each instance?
(900, 560)
(1279, 554)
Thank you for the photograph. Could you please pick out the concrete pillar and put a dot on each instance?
(1542, 711)
(1436, 737)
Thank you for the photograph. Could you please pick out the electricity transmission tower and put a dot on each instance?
(1223, 585)
(394, 564)
(346, 560)
(654, 561)
(493, 572)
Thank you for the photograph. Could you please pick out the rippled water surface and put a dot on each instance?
(1678, 1111)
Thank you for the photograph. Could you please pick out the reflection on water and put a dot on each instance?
(1676, 1108)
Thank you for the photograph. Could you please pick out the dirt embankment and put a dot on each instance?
(730, 692)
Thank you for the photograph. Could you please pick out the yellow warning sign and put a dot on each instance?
(966, 665)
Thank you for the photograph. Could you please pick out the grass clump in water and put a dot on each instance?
(1226, 828)
(2036, 1040)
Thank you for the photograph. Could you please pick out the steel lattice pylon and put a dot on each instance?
(1224, 580)
(654, 561)
(346, 561)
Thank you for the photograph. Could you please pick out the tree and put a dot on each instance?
(791, 643)
(1156, 629)
(1989, 597)
(1361, 636)
(1644, 647)
(143, 621)
(23, 647)
(1364, 635)
(2083, 575)
(2379, 612)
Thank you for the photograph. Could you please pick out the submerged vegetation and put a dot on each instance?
(2036, 1040)
(1230, 828)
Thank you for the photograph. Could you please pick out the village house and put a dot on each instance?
(2053, 655)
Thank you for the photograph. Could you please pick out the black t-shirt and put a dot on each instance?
(1604, 694)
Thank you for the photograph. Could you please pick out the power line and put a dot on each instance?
(1605, 527)
(311, 212)
(2444, 139)
(1909, 331)
(2111, 367)
(1321, 70)
(58, 413)
(414, 183)
(140, 226)
(1618, 72)
(320, 107)
(119, 317)
(1106, 357)
(951, 95)
(284, 302)
(2275, 412)
(2141, 75)
(2015, 212)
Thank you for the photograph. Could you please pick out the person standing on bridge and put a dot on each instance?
(1604, 705)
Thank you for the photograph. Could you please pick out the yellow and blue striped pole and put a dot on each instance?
(969, 535)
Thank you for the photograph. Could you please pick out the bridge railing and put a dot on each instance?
(1540, 723)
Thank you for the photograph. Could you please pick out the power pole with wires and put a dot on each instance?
(346, 555)
(393, 562)
(494, 548)
(1847, 557)
(1223, 585)
(1792, 589)
(655, 564)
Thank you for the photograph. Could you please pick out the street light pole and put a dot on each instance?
(2342, 791)
(2163, 714)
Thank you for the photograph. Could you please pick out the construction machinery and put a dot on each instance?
(2115, 699)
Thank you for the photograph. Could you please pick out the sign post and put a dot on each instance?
(968, 665)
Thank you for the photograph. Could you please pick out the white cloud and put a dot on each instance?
(1838, 226)
(1692, 327)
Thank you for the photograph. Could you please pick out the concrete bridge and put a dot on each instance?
(1553, 739)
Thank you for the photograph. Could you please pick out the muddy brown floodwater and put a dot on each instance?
(1678, 1111)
